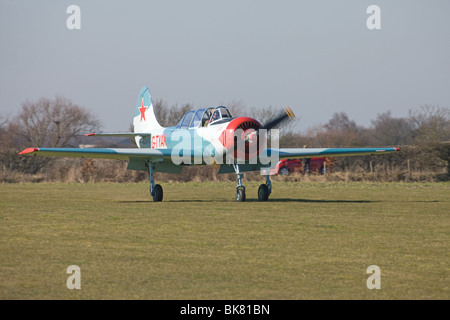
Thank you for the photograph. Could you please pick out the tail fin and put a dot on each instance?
(144, 116)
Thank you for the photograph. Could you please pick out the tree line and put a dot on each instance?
(423, 136)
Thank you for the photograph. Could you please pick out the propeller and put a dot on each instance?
(288, 113)
(250, 134)
(253, 136)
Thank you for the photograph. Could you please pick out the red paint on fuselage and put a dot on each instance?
(244, 129)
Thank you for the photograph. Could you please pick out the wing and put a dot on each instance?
(103, 153)
(296, 153)
(137, 158)
(286, 153)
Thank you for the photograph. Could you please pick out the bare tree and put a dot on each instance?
(340, 122)
(432, 133)
(430, 123)
(6, 150)
(169, 116)
(340, 131)
(46, 123)
(52, 123)
(389, 131)
(161, 109)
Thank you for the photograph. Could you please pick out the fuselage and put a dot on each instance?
(199, 137)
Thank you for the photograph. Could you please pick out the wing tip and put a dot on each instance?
(388, 150)
(29, 150)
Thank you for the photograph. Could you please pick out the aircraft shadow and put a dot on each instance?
(256, 200)
(314, 200)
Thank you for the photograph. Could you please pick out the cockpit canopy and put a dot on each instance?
(204, 117)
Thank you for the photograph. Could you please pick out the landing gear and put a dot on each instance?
(265, 190)
(240, 194)
(156, 191)
(240, 189)
(263, 193)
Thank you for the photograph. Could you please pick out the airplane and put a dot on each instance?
(205, 136)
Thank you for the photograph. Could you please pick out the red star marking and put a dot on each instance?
(142, 110)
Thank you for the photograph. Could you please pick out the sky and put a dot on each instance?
(318, 57)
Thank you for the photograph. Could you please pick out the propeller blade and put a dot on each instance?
(288, 113)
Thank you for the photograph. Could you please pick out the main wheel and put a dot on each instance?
(240, 194)
(157, 193)
(263, 192)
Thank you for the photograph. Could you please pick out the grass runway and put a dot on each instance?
(309, 241)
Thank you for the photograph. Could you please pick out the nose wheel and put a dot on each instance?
(240, 189)
(240, 194)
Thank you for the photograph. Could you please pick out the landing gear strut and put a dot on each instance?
(156, 190)
(265, 190)
(240, 189)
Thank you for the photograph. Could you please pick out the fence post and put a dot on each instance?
(409, 169)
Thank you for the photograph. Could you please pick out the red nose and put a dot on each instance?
(241, 135)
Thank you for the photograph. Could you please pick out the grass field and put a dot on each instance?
(310, 241)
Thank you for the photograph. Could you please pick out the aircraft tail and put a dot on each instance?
(144, 115)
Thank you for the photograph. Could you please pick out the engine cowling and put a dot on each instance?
(242, 138)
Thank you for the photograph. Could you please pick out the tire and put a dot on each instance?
(240, 195)
(157, 193)
(284, 171)
(263, 193)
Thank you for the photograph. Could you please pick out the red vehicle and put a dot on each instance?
(287, 166)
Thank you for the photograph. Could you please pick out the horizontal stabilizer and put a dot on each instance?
(124, 134)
